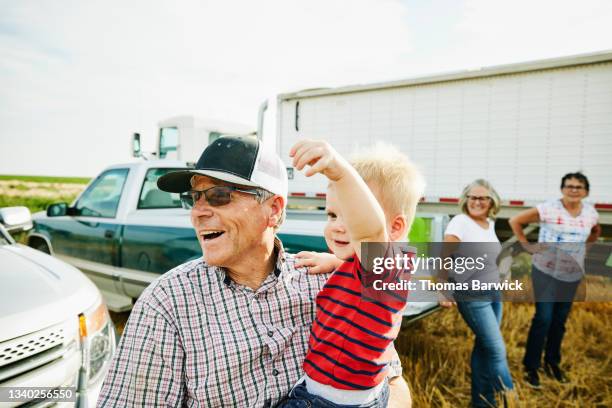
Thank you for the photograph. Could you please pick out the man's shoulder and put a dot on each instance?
(177, 274)
(290, 259)
(162, 293)
(300, 273)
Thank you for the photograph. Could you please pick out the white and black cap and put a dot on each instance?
(242, 160)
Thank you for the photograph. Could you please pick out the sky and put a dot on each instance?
(77, 78)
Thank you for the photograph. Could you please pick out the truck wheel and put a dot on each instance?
(40, 245)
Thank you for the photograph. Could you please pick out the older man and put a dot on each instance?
(230, 328)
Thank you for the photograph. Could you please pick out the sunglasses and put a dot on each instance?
(478, 198)
(215, 196)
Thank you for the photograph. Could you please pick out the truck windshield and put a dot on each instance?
(101, 199)
(168, 140)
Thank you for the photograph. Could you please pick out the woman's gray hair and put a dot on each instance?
(495, 201)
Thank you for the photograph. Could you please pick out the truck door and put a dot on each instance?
(90, 231)
(93, 231)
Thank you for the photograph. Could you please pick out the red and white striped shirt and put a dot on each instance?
(351, 339)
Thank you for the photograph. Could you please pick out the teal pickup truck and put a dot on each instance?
(123, 232)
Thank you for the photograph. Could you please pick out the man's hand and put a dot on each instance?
(317, 262)
(320, 156)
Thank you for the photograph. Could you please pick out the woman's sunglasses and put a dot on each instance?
(215, 196)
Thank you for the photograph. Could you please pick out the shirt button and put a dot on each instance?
(270, 333)
(275, 372)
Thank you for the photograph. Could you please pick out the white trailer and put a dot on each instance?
(521, 126)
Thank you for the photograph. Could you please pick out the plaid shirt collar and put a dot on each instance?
(279, 267)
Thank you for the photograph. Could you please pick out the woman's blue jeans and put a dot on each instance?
(490, 372)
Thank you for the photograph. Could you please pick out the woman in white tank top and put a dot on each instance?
(490, 373)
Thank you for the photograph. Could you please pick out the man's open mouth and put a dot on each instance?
(341, 242)
(210, 235)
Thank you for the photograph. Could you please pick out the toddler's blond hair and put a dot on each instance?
(398, 179)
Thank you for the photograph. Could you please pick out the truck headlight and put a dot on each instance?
(97, 340)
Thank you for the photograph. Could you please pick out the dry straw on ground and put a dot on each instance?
(436, 357)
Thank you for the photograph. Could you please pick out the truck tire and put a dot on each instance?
(40, 245)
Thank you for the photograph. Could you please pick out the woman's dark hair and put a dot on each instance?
(578, 176)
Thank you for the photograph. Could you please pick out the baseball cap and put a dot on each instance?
(243, 160)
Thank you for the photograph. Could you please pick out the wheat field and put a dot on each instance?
(435, 354)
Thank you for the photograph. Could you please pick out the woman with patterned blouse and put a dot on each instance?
(557, 269)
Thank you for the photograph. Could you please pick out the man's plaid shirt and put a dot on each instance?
(198, 339)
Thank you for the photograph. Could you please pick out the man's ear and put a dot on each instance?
(276, 210)
(398, 228)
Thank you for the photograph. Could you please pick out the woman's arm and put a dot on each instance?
(521, 219)
(450, 243)
(595, 233)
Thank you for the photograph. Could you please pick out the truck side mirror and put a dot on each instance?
(57, 210)
(16, 219)
(136, 145)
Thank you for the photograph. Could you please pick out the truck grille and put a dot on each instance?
(33, 350)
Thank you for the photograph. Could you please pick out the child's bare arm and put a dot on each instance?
(318, 262)
(363, 216)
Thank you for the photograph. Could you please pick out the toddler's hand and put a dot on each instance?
(317, 262)
(320, 156)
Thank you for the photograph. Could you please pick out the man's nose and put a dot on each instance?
(201, 208)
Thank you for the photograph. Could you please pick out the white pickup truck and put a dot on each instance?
(123, 232)
(55, 330)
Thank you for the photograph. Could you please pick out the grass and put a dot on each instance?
(37, 192)
(435, 353)
(47, 179)
(35, 204)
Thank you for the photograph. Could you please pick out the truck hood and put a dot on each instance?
(39, 214)
(38, 291)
